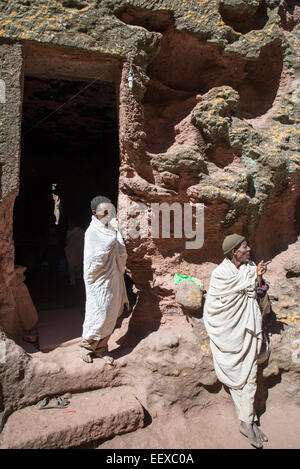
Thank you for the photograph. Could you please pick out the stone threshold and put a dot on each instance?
(91, 416)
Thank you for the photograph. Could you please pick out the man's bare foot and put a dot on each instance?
(106, 357)
(246, 429)
(87, 358)
(259, 433)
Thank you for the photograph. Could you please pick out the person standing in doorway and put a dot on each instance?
(103, 272)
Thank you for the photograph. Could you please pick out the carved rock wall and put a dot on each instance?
(212, 118)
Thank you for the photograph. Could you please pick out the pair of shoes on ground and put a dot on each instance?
(256, 436)
(54, 402)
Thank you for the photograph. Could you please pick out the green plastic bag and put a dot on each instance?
(178, 278)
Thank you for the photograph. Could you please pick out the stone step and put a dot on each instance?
(62, 370)
(91, 416)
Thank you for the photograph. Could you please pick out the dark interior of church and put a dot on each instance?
(69, 154)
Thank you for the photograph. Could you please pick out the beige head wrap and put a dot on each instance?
(231, 241)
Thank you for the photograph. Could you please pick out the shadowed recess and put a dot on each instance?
(241, 17)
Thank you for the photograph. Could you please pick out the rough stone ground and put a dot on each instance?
(103, 413)
(97, 414)
(216, 427)
(170, 372)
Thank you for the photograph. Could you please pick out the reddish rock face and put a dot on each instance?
(289, 12)
(184, 128)
(279, 219)
(12, 65)
(244, 16)
(210, 119)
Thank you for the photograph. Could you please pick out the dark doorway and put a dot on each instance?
(69, 154)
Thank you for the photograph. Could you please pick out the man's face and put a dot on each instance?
(104, 212)
(242, 254)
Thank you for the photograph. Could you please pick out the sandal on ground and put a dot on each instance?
(255, 441)
(60, 403)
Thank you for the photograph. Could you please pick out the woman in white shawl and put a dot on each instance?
(233, 322)
(104, 266)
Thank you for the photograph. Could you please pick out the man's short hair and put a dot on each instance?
(100, 199)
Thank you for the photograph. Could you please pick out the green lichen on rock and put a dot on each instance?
(93, 25)
(224, 116)
(184, 159)
(289, 111)
(213, 114)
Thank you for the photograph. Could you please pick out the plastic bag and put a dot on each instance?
(179, 277)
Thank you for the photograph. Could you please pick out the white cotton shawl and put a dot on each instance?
(233, 321)
(104, 266)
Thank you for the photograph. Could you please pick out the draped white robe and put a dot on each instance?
(233, 322)
(103, 271)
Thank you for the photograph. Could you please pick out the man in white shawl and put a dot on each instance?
(233, 321)
(103, 272)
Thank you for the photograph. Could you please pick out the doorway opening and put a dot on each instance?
(69, 154)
